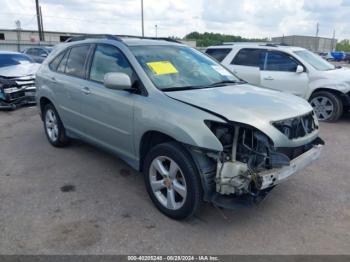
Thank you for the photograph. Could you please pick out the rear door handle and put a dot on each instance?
(86, 90)
(268, 78)
(53, 79)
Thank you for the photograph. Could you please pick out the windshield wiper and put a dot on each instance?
(221, 83)
(180, 88)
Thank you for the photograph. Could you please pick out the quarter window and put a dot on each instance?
(62, 66)
(279, 61)
(108, 59)
(250, 57)
(76, 61)
(218, 53)
(56, 61)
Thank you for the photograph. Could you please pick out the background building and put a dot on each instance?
(17, 40)
(315, 44)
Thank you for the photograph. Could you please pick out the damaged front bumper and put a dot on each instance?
(12, 97)
(275, 176)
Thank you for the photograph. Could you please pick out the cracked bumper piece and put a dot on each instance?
(275, 176)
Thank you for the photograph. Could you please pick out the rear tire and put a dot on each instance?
(54, 129)
(176, 189)
(327, 106)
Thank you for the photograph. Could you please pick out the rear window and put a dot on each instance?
(14, 59)
(218, 53)
(250, 57)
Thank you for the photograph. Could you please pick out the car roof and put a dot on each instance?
(126, 39)
(262, 45)
(137, 42)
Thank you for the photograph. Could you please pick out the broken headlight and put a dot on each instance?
(297, 127)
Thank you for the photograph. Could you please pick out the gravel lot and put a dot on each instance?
(107, 211)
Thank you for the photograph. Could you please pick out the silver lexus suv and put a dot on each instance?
(196, 131)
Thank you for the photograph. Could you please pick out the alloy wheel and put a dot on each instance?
(323, 107)
(168, 182)
(51, 125)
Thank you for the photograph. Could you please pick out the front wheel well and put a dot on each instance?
(337, 93)
(149, 140)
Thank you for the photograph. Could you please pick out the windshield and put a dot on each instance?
(179, 67)
(14, 59)
(314, 60)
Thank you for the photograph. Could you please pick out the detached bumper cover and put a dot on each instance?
(275, 176)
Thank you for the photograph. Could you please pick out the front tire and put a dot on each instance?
(327, 106)
(54, 129)
(172, 180)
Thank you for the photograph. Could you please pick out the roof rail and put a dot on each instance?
(150, 38)
(275, 45)
(92, 36)
(117, 37)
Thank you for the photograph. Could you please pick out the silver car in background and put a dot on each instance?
(38, 53)
(195, 130)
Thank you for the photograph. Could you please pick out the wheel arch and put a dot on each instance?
(205, 166)
(345, 100)
(149, 140)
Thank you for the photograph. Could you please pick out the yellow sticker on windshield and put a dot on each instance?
(162, 68)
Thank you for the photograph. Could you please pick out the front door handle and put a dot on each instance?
(86, 90)
(268, 78)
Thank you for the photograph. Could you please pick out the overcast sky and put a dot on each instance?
(249, 18)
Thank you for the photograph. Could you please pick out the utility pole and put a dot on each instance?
(316, 38)
(333, 42)
(41, 25)
(38, 19)
(142, 23)
(156, 27)
(18, 29)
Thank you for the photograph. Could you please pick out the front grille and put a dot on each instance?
(297, 127)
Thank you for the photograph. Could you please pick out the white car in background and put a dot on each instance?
(292, 70)
(17, 80)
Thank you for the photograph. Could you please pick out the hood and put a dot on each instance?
(340, 74)
(245, 103)
(19, 70)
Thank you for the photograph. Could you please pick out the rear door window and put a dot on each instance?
(76, 61)
(280, 61)
(218, 53)
(250, 57)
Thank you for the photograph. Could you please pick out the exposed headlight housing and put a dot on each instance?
(297, 127)
(223, 131)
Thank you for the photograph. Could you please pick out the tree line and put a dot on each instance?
(208, 39)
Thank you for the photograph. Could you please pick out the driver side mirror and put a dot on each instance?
(117, 81)
(300, 69)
